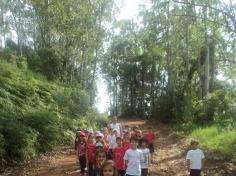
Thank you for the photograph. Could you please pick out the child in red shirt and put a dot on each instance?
(150, 136)
(126, 143)
(90, 153)
(99, 138)
(118, 155)
(81, 152)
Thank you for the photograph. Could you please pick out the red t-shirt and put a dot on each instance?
(150, 136)
(118, 155)
(91, 149)
(81, 148)
(126, 144)
(105, 147)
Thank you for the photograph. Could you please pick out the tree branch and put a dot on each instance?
(224, 13)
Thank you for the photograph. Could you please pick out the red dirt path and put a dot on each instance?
(169, 158)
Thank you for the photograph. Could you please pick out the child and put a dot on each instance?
(76, 139)
(81, 152)
(105, 133)
(195, 159)
(145, 158)
(126, 143)
(108, 168)
(100, 158)
(99, 138)
(90, 149)
(150, 136)
(112, 142)
(134, 132)
(139, 136)
(118, 155)
(132, 159)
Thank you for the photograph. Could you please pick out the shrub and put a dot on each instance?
(47, 125)
(51, 64)
(20, 141)
(2, 147)
(22, 63)
(73, 103)
(216, 139)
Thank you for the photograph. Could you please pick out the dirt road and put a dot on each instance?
(169, 158)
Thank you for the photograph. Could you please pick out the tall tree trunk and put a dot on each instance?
(212, 65)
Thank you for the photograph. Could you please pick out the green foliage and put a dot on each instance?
(47, 125)
(217, 139)
(6, 54)
(2, 147)
(37, 115)
(216, 107)
(72, 102)
(95, 119)
(50, 63)
(20, 140)
(22, 63)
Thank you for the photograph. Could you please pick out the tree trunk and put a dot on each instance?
(212, 66)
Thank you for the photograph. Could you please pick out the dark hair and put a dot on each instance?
(135, 127)
(107, 163)
(194, 142)
(118, 138)
(90, 135)
(143, 140)
(133, 139)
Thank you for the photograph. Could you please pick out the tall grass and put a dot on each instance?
(217, 139)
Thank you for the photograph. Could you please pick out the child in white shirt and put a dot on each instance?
(145, 157)
(195, 159)
(111, 138)
(132, 159)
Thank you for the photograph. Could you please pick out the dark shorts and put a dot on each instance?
(144, 171)
(109, 154)
(121, 172)
(151, 148)
(195, 172)
(130, 175)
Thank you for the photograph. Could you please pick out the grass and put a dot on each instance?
(218, 140)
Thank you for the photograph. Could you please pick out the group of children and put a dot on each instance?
(115, 152)
(124, 152)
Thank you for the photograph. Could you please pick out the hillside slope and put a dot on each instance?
(36, 115)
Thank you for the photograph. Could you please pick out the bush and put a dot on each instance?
(218, 140)
(51, 64)
(48, 128)
(72, 103)
(214, 108)
(2, 147)
(20, 141)
(22, 63)
(94, 119)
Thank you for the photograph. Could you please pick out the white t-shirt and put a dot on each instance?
(145, 158)
(111, 141)
(195, 157)
(133, 166)
(116, 126)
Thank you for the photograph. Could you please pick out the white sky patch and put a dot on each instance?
(102, 99)
(128, 9)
